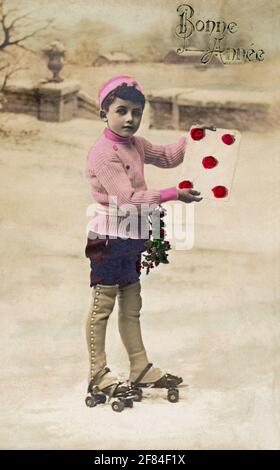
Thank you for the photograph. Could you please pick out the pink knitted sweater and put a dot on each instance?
(115, 169)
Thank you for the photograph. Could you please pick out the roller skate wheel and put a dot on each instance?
(117, 406)
(101, 397)
(173, 395)
(128, 402)
(90, 402)
(138, 394)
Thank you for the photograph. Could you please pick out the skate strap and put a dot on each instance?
(143, 373)
(111, 390)
(98, 376)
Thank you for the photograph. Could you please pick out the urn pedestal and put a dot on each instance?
(58, 100)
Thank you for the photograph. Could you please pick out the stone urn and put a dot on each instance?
(55, 53)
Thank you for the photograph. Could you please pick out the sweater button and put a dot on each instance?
(115, 147)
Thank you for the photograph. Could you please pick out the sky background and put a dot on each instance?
(121, 24)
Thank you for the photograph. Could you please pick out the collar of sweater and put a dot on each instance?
(115, 137)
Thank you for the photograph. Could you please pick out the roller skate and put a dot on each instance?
(168, 381)
(121, 394)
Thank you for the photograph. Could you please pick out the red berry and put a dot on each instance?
(228, 139)
(162, 232)
(220, 191)
(197, 133)
(185, 184)
(209, 162)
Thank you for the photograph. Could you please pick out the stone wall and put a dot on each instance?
(175, 108)
(181, 108)
(20, 99)
(54, 102)
(88, 108)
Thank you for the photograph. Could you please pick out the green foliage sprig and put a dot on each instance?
(157, 248)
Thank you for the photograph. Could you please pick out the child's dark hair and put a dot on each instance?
(124, 92)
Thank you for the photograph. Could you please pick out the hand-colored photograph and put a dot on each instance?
(140, 225)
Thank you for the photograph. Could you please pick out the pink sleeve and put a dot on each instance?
(164, 156)
(169, 194)
(112, 176)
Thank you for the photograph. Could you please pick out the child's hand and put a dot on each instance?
(188, 195)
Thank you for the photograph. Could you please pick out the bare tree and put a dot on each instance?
(15, 30)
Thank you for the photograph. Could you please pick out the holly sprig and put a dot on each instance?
(157, 248)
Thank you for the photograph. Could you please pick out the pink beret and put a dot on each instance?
(113, 83)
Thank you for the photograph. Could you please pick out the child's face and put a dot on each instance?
(124, 117)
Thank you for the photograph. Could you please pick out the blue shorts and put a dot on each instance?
(114, 260)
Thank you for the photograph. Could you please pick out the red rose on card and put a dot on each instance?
(185, 184)
(209, 162)
(197, 133)
(219, 191)
(228, 139)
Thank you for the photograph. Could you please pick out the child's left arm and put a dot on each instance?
(164, 156)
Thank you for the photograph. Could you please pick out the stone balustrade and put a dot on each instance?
(179, 108)
(49, 101)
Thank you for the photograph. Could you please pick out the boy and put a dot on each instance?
(115, 168)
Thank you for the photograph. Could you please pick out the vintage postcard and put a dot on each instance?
(139, 161)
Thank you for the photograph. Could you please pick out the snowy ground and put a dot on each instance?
(211, 315)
